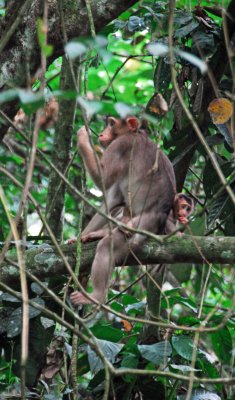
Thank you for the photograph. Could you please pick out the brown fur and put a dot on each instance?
(128, 178)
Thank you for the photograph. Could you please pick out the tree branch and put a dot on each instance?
(44, 262)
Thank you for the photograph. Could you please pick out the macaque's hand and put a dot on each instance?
(78, 298)
(130, 224)
(83, 136)
(183, 220)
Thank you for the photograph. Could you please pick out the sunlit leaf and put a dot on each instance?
(90, 107)
(110, 351)
(75, 49)
(184, 346)
(156, 353)
(124, 110)
(136, 24)
(200, 395)
(8, 95)
(184, 368)
(192, 59)
(30, 101)
(158, 49)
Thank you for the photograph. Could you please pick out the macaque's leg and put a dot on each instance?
(97, 222)
(96, 235)
(103, 264)
(102, 267)
(98, 227)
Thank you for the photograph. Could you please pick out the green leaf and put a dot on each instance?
(156, 353)
(91, 107)
(184, 368)
(179, 300)
(192, 59)
(205, 41)
(8, 95)
(189, 321)
(124, 110)
(222, 344)
(136, 24)
(110, 351)
(158, 49)
(130, 361)
(127, 299)
(97, 380)
(182, 18)
(161, 50)
(75, 49)
(30, 101)
(183, 345)
(107, 333)
(186, 30)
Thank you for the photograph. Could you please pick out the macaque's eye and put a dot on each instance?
(111, 121)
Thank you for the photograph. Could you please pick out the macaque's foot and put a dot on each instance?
(78, 298)
(71, 241)
(180, 234)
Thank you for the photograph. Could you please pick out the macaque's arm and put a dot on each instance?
(170, 223)
(89, 158)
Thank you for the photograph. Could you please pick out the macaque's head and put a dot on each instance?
(117, 127)
(184, 207)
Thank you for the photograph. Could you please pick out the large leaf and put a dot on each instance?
(184, 346)
(110, 351)
(222, 344)
(203, 40)
(156, 353)
(186, 30)
(201, 395)
(75, 49)
(14, 325)
(107, 333)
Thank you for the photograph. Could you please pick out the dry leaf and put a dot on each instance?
(157, 105)
(220, 110)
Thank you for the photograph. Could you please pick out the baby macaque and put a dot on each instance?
(183, 208)
(126, 175)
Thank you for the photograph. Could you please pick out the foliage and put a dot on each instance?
(121, 70)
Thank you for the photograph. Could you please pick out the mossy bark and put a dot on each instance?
(44, 261)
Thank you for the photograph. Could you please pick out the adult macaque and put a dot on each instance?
(126, 175)
(120, 213)
(182, 209)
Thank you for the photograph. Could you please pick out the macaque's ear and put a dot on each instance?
(133, 123)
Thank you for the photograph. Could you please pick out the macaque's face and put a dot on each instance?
(117, 127)
(183, 210)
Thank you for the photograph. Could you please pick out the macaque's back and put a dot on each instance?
(129, 161)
